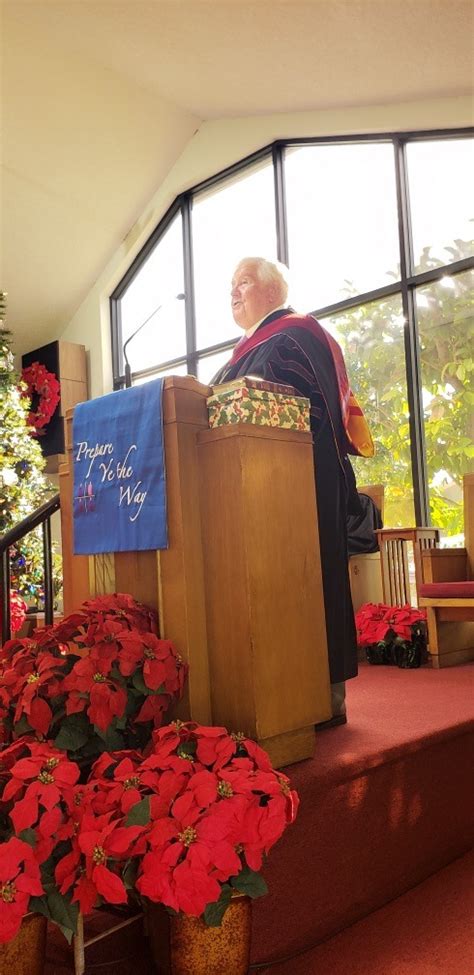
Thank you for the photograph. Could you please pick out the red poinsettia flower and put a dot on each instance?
(122, 607)
(38, 783)
(91, 869)
(121, 791)
(132, 652)
(19, 880)
(42, 679)
(377, 622)
(103, 639)
(214, 746)
(31, 676)
(153, 709)
(10, 754)
(14, 651)
(181, 887)
(196, 852)
(229, 808)
(90, 689)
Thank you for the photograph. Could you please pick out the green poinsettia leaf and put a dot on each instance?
(139, 814)
(129, 874)
(214, 912)
(22, 727)
(139, 683)
(28, 836)
(249, 882)
(111, 737)
(39, 905)
(73, 733)
(63, 913)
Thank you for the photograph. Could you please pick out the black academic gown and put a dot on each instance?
(294, 356)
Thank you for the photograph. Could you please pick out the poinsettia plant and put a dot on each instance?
(185, 827)
(392, 634)
(36, 797)
(183, 818)
(99, 680)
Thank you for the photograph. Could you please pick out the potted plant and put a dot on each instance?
(36, 792)
(392, 634)
(186, 828)
(100, 680)
(180, 821)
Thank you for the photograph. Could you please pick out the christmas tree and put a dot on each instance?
(23, 485)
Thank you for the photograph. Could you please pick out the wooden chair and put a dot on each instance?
(447, 593)
(394, 544)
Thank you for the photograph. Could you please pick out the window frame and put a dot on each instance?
(406, 286)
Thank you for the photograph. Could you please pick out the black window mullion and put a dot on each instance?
(412, 348)
(190, 302)
(117, 341)
(278, 158)
(356, 300)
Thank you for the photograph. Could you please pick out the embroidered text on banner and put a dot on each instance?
(119, 472)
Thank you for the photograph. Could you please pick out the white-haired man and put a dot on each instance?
(282, 346)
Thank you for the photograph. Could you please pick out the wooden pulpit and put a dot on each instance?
(239, 589)
(266, 628)
(171, 580)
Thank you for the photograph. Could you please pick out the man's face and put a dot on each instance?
(251, 300)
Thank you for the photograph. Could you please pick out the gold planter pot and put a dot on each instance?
(25, 954)
(182, 945)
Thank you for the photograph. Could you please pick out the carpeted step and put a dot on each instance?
(427, 931)
(387, 801)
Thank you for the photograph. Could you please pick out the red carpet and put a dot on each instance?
(428, 931)
(387, 801)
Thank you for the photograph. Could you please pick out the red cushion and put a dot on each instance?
(447, 590)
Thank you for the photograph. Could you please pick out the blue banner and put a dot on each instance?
(119, 472)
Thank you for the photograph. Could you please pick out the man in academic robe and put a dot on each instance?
(284, 347)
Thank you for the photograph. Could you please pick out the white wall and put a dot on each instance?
(216, 145)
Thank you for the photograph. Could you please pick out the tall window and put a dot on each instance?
(377, 232)
(152, 300)
(342, 221)
(445, 311)
(442, 201)
(236, 219)
(371, 337)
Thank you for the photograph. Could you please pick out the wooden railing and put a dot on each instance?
(42, 516)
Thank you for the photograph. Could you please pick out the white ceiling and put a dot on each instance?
(100, 97)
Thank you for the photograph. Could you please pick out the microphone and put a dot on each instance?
(128, 372)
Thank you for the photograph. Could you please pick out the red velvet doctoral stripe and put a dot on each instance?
(308, 324)
(358, 434)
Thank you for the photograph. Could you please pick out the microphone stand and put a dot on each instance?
(128, 371)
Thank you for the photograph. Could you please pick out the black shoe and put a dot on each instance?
(333, 722)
